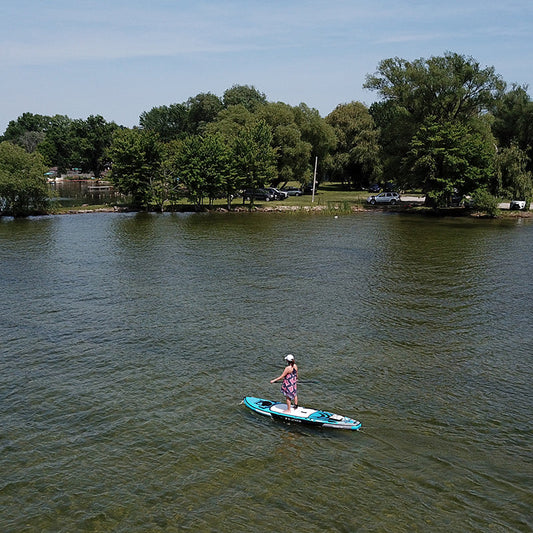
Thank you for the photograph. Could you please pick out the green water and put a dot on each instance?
(127, 342)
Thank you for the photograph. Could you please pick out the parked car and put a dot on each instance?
(374, 188)
(258, 194)
(308, 189)
(390, 187)
(384, 198)
(279, 195)
(517, 205)
(292, 191)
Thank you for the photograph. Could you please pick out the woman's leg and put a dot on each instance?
(288, 403)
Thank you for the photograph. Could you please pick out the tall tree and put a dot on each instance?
(293, 153)
(440, 95)
(92, 138)
(136, 157)
(58, 146)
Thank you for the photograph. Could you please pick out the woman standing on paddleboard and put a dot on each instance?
(290, 382)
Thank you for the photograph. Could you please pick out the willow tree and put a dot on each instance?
(449, 87)
(355, 159)
(293, 152)
(444, 92)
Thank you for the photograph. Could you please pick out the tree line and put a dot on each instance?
(442, 125)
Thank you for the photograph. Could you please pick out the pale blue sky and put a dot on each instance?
(118, 58)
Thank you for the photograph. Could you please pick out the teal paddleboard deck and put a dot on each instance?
(300, 415)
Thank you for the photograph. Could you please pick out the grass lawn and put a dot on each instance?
(329, 196)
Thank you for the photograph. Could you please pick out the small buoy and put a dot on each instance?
(336, 216)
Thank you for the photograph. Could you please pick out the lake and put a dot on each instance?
(129, 340)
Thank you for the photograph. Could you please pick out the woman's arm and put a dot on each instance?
(285, 372)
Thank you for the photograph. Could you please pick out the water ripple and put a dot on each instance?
(131, 339)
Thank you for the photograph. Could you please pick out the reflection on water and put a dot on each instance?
(71, 193)
(131, 339)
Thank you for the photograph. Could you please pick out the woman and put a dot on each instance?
(290, 382)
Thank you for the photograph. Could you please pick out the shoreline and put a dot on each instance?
(319, 209)
(412, 208)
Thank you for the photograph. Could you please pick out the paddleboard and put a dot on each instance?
(300, 415)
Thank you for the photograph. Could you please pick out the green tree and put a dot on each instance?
(254, 156)
(440, 92)
(449, 157)
(230, 122)
(246, 95)
(91, 139)
(203, 109)
(136, 157)
(396, 129)
(23, 186)
(164, 188)
(317, 132)
(204, 167)
(355, 159)
(293, 153)
(169, 122)
(26, 123)
(447, 87)
(513, 179)
(513, 121)
(58, 147)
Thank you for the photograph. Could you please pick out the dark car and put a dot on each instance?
(278, 195)
(292, 191)
(258, 194)
(308, 189)
(390, 187)
(374, 188)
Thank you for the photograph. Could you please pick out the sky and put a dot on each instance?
(118, 58)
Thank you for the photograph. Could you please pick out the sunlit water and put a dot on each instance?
(127, 342)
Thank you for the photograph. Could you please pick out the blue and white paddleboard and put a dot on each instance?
(300, 415)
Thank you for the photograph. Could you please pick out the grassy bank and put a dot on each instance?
(330, 198)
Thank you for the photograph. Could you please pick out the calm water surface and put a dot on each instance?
(127, 342)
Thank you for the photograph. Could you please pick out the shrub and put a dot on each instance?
(485, 202)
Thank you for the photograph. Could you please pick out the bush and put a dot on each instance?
(485, 202)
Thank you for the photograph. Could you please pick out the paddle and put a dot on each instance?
(300, 381)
